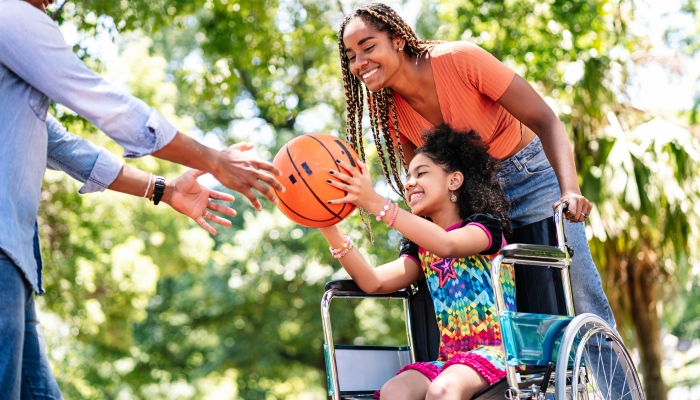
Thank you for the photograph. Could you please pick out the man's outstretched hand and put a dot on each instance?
(234, 167)
(240, 172)
(186, 196)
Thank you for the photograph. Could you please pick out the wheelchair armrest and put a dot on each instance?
(348, 287)
(533, 253)
(343, 285)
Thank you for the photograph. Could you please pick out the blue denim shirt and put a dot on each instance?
(86, 162)
(37, 65)
(82, 160)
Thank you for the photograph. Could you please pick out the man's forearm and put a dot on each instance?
(137, 183)
(186, 151)
(233, 167)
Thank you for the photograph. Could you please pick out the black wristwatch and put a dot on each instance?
(158, 189)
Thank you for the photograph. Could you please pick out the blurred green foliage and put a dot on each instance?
(142, 303)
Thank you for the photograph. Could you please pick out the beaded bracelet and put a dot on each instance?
(393, 217)
(384, 210)
(343, 250)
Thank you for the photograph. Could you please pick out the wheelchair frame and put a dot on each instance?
(521, 254)
(539, 255)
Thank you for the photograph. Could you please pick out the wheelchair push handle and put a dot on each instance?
(562, 208)
(559, 224)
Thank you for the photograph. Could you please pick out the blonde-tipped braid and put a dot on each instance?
(373, 99)
(381, 103)
(384, 95)
(395, 119)
(354, 113)
(353, 123)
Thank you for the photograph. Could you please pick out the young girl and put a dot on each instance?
(452, 183)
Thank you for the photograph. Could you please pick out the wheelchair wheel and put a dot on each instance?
(593, 363)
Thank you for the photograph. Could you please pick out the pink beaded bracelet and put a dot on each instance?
(343, 250)
(384, 210)
(393, 217)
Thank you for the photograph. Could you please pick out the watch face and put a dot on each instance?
(158, 190)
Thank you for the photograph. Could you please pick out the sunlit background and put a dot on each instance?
(143, 304)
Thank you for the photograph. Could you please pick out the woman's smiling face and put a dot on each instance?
(373, 55)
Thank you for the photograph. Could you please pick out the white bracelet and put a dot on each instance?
(145, 195)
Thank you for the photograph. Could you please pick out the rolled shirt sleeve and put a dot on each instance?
(32, 46)
(84, 161)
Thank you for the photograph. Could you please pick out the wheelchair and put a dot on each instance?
(550, 353)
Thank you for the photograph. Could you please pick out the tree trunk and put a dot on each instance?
(642, 278)
(614, 281)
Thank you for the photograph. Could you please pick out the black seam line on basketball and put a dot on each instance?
(347, 153)
(309, 187)
(307, 218)
(333, 158)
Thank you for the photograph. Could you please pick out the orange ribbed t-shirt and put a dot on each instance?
(469, 81)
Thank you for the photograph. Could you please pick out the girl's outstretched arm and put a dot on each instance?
(463, 242)
(457, 243)
(387, 278)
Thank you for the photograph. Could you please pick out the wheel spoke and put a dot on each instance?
(598, 376)
(601, 367)
(612, 374)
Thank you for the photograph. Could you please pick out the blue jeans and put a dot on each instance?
(24, 366)
(531, 187)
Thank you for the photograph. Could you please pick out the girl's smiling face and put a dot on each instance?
(373, 55)
(428, 188)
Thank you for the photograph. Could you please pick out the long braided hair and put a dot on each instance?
(384, 19)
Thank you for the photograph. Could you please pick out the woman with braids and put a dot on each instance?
(412, 85)
(452, 183)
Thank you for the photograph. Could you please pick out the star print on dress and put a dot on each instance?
(445, 269)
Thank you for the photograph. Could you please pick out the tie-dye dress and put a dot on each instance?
(464, 304)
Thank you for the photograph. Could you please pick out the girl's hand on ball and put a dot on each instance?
(357, 184)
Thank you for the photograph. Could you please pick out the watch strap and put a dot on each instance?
(158, 189)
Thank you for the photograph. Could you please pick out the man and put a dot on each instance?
(36, 65)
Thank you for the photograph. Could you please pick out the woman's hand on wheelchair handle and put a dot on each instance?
(579, 207)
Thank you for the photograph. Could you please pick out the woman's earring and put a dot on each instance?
(400, 49)
(453, 198)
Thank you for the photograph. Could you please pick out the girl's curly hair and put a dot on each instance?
(467, 153)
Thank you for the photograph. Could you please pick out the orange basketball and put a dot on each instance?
(305, 163)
